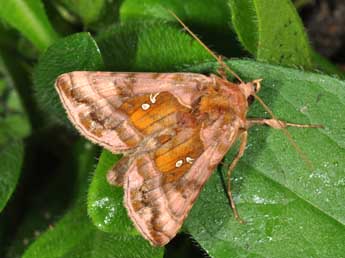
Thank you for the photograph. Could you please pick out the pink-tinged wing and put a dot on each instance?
(97, 102)
(160, 189)
(158, 123)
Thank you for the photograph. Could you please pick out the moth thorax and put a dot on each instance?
(185, 119)
(214, 103)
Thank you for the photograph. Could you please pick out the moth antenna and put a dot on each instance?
(219, 60)
(287, 134)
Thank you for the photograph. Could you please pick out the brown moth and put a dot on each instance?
(173, 129)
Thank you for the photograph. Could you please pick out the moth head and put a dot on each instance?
(249, 89)
(257, 85)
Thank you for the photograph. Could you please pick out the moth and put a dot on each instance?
(173, 129)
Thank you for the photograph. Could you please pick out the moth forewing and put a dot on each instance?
(97, 103)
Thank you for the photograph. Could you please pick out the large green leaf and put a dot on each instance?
(30, 19)
(291, 210)
(272, 31)
(287, 205)
(281, 198)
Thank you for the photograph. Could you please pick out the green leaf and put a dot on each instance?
(88, 10)
(209, 19)
(105, 201)
(244, 21)
(11, 159)
(272, 31)
(30, 19)
(76, 52)
(129, 48)
(105, 207)
(208, 13)
(282, 200)
(291, 210)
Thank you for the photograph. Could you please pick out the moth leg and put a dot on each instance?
(277, 124)
(116, 175)
(243, 139)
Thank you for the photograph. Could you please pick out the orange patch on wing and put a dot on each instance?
(133, 104)
(171, 157)
(154, 116)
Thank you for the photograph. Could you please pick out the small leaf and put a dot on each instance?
(209, 19)
(272, 31)
(11, 159)
(206, 13)
(88, 10)
(105, 207)
(30, 19)
(244, 21)
(105, 202)
(76, 52)
(129, 47)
